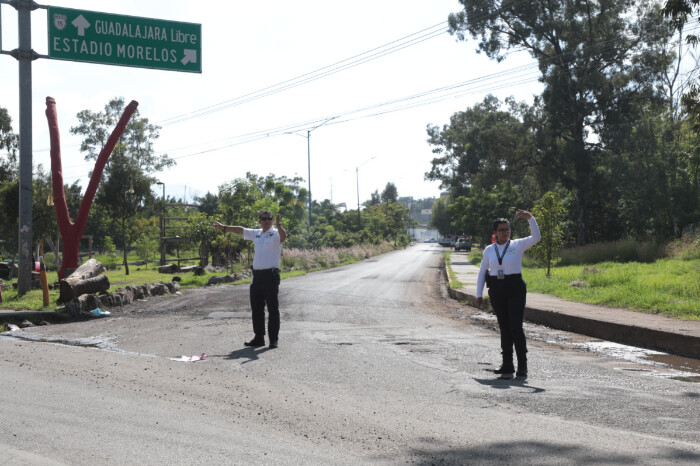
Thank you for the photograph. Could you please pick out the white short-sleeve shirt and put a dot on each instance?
(268, 247)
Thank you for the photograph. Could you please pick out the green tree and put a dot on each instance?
(679, 12)
(390, 193)
(201, 233)
(9, 142)
(484, 145)
(128, 175)
(209, 203)
(549, 213)
(242, 199)
(441, 219)
(9, 175)
(146, 233)
(44, 221)
(111, 252)
(594, 58)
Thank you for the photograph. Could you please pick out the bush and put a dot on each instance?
(307, 259)
(686, 248)
(616, 251)
(50, 261)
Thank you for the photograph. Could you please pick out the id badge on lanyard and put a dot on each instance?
(501, 274)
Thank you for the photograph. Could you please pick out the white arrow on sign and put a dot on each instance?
(81, 23)
(190, 56)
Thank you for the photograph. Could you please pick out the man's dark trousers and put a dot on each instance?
(263, 291)
(508, 301)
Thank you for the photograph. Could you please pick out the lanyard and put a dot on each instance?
(500, 258)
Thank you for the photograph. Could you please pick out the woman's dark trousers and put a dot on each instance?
(508, 302)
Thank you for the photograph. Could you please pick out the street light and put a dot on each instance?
(357, 176)
(308, 156)
(162, 225)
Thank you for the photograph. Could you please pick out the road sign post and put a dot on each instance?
(96, 37)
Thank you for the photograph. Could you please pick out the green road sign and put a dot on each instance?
(96, 37)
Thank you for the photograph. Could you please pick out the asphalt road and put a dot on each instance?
(375, 365)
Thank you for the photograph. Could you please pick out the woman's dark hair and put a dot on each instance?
(498, 221)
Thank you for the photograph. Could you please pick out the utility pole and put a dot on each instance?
(308, 158)
(357, 177)
(162, 225)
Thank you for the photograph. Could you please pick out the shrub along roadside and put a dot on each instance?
(453, 282)
(294, 262)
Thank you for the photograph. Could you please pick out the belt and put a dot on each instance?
(264, 271)
(512, 276)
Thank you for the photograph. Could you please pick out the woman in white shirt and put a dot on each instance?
(501, 269)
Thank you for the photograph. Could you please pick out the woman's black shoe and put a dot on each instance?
(255, 343)
(522, 370)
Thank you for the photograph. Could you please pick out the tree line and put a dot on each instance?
(127, 208)
(614, 132)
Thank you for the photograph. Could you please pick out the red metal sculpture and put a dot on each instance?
(71, 233)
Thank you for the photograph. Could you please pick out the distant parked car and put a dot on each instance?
(445, 241)
(463, 244)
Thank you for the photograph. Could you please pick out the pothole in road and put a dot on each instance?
(229, 315)
(84, 343)
(91, 343)
(692, 378)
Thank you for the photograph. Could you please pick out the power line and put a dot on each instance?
(342, 65)
(487, 83)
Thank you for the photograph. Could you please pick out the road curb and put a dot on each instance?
(674, 343)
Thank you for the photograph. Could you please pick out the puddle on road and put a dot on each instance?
(660, 364)
(679, 367)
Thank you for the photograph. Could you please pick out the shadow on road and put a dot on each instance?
(543, 453)
(506, 384)
(251, 354)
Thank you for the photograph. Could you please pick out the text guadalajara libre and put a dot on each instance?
(136, 31)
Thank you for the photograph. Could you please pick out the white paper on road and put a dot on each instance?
(202, 357)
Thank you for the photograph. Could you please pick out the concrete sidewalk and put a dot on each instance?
(653, 331)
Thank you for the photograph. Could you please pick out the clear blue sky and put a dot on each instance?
(250, 46)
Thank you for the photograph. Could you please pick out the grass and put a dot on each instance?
(295, 262)
(453, 282)
(33, 300)
(668, 286)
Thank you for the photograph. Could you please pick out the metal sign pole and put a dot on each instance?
(25, 56)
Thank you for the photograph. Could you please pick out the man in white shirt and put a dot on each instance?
(264, 286)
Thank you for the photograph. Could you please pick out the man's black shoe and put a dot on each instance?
(505, 369)
(255, 343)
(273, 344)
